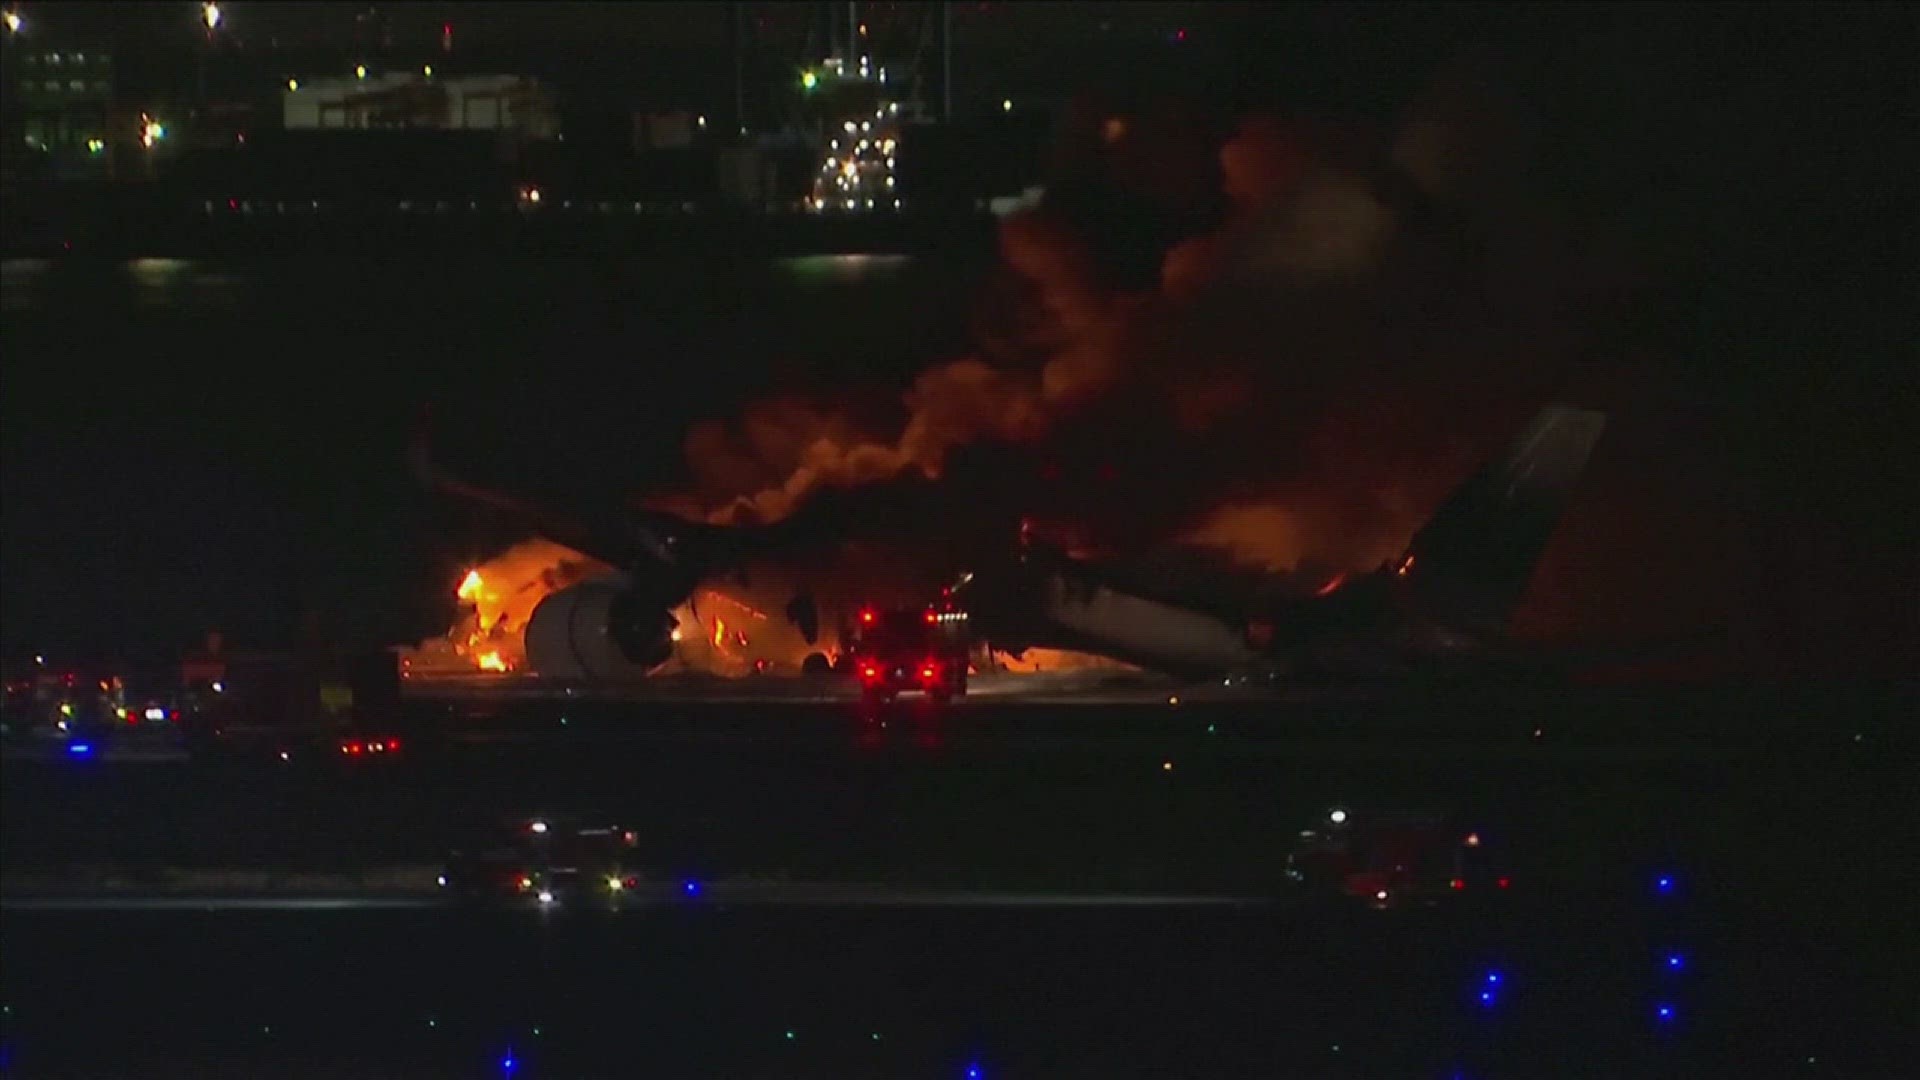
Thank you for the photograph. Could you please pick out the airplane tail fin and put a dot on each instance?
(1474, 558)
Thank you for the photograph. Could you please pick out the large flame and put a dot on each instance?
(717, 632)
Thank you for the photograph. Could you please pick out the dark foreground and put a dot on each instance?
(1784, 947)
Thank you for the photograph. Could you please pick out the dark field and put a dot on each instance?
(1030, 828)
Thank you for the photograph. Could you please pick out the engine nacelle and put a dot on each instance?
(603, 628)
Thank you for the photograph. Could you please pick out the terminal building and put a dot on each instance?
(508, 104)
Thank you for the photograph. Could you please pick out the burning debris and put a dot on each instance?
(497, 600)
(727, 633)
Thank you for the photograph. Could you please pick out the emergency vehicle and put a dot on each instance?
(903, 650)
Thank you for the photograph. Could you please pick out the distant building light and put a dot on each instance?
(427, 71)
(360, 71)
(293, 84)
(1006, 104)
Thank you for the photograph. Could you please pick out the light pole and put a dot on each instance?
(210, 15)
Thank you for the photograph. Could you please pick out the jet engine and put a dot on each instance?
(607, 627)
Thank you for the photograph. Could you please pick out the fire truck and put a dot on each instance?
(910, 650)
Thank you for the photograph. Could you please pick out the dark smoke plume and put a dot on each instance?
(1264, 387)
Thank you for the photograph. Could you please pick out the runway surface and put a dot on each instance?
(1037, 891)
(822, 897)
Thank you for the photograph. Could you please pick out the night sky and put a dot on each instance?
(1725, 190)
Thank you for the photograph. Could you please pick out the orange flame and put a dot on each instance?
(470, 586)
(719, 632)
(490, 661)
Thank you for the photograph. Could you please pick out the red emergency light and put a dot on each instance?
(929, 672)
(866, 616)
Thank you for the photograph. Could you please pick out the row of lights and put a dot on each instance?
(210, 16)
(360, 72)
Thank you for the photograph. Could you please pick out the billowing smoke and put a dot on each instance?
(1235, 357)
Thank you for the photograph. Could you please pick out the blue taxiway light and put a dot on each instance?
(1663, 883)
(1664, 1012)
(691, 888)
(1486, 997)
(80, 749)
(974, 1072)
(1675, 962)
(1493, 978)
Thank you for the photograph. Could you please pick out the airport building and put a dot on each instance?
(508, 104)
(60, 103)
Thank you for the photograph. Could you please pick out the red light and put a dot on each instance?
(631, 883)
(393, 744)
(866, 617)
(932, 618)
(1504, 882)
(929, 672)
(1456, 884)
(869, 672)
(1180, 34)
(233, 204)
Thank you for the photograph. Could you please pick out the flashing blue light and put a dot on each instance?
(80, 749)
(1675, 962)
(1664, 1012)
(1663, 883)
(507, 1063)
(1493, 978)
(691, 888)
(974, 1072)
(1486, 997)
